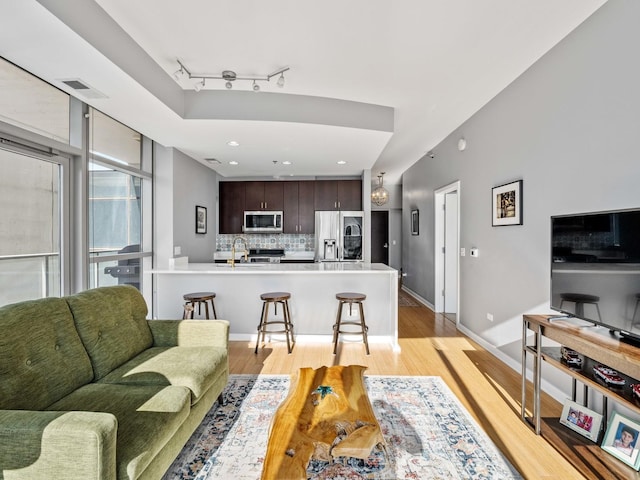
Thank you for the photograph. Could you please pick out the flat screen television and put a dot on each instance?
(595, 269)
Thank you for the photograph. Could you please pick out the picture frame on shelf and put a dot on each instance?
(415, 222)
(506, 204)
(201, 219)
(621, 440)
(581, 419)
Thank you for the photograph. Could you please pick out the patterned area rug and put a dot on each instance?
(429, 435)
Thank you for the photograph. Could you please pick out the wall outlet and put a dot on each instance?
(490, 317)
(177, 250)
(463, 252)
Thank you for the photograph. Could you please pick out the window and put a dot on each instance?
(32, 104)
(116, 190)
(30, 252)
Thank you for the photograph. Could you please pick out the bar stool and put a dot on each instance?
(350, 298)
(287, 327)
(580, 299)
(198, 298)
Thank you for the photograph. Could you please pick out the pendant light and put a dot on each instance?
(380, 195)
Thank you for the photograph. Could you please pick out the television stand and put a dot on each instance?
(597, 347)
(630, 339)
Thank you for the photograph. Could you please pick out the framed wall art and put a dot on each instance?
(415, 222)
(506, 204)
(201, 219)
(621, 440)
(581, 419)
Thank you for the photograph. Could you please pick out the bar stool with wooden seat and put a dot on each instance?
(350, 298)
(580, 299)
(198, 298)
(276, 298)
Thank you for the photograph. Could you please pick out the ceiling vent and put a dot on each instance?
(82, 88)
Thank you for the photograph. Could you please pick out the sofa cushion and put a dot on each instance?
(41, 356)
(196, 368)
(112, 325)
(148, 417)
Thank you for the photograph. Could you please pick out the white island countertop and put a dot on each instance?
(313, 288)
(253, 268)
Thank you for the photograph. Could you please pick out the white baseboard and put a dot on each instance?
(547, 387)
(418, 298)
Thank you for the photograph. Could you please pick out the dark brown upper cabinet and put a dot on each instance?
(299, 212)
(338, 195)
(232, 207)
(264, 196)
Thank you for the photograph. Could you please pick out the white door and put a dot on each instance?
(447, 248)
(451, 255)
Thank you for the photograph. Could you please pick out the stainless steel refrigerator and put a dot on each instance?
(339, 236)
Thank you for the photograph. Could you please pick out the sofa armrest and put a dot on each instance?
(52, 445)
(190, 333)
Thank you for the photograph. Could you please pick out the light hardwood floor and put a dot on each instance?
(431, 345)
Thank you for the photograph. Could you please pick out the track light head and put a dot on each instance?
(281, 80)
(178, 74)
(229, 85)
(199, 86)
(256, 87)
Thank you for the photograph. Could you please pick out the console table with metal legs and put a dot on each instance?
(598, 347)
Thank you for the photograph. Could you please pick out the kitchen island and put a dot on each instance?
(313, 288)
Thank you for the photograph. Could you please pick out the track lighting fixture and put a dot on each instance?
(229, 76)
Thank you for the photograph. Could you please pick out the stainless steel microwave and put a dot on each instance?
(262, 222)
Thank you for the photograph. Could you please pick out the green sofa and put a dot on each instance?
(91, 389)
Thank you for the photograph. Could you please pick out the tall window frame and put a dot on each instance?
(51, 267)
(21, 130)
(131, 172)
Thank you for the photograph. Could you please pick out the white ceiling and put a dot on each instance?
(427, 65)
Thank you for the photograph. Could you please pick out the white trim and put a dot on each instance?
(439, 199)
(547, 387)
(419, 298)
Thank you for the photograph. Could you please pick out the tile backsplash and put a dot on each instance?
(290, 242)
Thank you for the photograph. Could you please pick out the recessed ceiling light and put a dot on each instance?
(286, 162)
(341, 162)
(233, 143)
(233, 162)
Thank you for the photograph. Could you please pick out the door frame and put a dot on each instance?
(439, 202)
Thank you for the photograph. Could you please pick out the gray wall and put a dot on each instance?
(568, 127)
(193, 184)
(181, 183)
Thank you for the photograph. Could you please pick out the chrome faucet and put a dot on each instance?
(232, 260)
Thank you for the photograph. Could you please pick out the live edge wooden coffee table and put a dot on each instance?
(326, 415)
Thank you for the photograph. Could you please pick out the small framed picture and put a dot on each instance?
(415, 222)
(581, 419)
(506, 201)
(621, 440)
(201, 219)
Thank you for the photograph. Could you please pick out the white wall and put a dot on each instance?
(568, 127)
